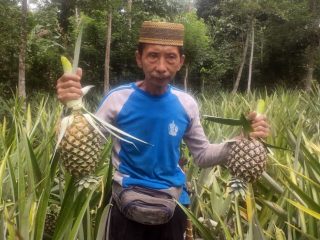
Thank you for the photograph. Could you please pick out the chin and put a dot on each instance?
(162, 83)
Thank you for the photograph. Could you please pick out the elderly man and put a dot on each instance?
(148, 180)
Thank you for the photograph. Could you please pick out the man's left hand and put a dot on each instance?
(259, 124)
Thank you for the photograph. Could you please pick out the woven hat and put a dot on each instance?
(163, 33)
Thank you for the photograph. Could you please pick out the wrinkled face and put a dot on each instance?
(159, 63)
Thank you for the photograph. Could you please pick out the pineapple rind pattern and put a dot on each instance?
(80, 147)
(51, 218)
(247, 159)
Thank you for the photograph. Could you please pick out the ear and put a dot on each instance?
(138, 59)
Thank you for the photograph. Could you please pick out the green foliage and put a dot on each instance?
(285, 32)
(286, 198)
(32, 178)
(287, 36)
(9, 42)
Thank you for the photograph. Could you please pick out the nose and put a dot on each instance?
(161, 66)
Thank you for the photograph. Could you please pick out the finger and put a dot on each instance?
(79, 72)
(71, 89)
(251, 116)
(260, 129)
(69, 76)
(260, 123)
(68, 84)
(259, 134)
(68, 96)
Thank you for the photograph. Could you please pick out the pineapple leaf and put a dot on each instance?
(92, 123)
(77, 48)
(113, 129)
(226, 121)
(246, 124)
(273, 146)
(307, 210)
(243, 121)
(65, 122)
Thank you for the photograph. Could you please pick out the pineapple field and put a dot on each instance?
(40, 200)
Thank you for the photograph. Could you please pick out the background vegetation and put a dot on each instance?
(283, 37)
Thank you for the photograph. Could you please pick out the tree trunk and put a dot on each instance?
(129, 14)
(313, 47)
(185, 80)
(107, 57)
(310, 57)
(308, 79)
(251, 58)
(22, 53)
(243, 60)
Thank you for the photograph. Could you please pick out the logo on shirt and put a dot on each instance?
(173, 129)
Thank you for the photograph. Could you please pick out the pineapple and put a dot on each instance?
(80, 147)
(51, 219)
(247, 159)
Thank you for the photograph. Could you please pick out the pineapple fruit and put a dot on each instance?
(247, 159)
(51, 219)
(80, 147)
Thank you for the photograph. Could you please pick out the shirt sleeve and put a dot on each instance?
(205, 154)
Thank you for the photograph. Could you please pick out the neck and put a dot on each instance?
(151, 89)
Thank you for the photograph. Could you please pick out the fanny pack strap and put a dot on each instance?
(173, 191)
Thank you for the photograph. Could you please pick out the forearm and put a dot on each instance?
(209, 155)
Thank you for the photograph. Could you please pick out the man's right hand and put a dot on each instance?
(69, 86)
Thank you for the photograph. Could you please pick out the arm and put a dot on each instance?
(206, 154)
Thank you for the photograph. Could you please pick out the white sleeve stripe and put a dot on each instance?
(127, 86)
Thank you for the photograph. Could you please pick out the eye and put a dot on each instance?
(172, 57)
(152, 55)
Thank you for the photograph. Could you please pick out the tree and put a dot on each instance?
(107, 55)
(312, 50)
(129, 14)
(111, 6)
(23, 47)
(10, 14)
(196, 42)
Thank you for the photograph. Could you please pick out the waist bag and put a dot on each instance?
(145, 205)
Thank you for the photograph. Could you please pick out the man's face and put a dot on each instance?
(159, 63)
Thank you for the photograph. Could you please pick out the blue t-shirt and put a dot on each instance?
(163, 121)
